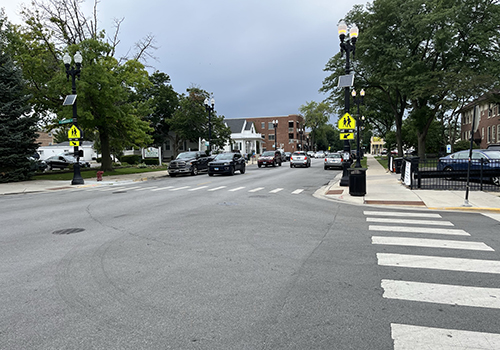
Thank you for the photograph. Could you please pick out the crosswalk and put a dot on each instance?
(406, 229)
(205, 188)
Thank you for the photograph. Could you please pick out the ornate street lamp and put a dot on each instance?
(348, 38)
(74, 72)
(209, 107)
(358, 101)
(275, 126)
(301, 131)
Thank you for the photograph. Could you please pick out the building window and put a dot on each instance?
(263, 125)
(270, 126)
(488, 135)
(498, 133)
(493, 134)
(167, 145)
(271, 137)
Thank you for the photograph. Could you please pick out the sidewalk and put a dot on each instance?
(385, 188)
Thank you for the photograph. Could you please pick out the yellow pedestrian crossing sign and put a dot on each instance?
(347, 122)
(74, 143)
(74, 133)
(347, 136)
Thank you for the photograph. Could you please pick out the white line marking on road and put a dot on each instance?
(217, 188)
(411, 229)
(410, 222)
(276, 190)
(110, 188)
(408, 337)
(256, 189)
(146, 188)
(162, 188)
(236, 189)
(438, 263)
(198, 188)
(298, 191)
(442, 294)
(179, 188)
(391, 213)
(431, 243)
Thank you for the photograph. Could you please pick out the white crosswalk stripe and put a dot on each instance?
(408, 337)
(276, 190)
(162, 188)
(197, 188)
(402, 214)
(146, 188)
(298, 191)
(412, 229)
(256, 189)
(216, 188)
(179, 188)
(410, 222)
(430, 243)
(236, 189)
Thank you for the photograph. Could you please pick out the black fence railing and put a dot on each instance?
(484, 174)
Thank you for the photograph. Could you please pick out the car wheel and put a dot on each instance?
(274, 163)
(291, 165)
(231, 170)
(242, 170)
(194, 171)
(326, 168)
(496, 180)
(172, 175)
(210, 174)
(448, 169)
(259, 165)
(279, 163)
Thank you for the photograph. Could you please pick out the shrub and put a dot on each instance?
(131, 159)
(151, 161)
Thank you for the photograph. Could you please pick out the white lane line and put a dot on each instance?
(145, 188)
(438, 263)
(298, 191)
(390, 213)
(408, 337)
(110, 188)
(162, 188)
(412, 229)
(236, 189)
(442, 294)
(276, 190)
(410, 222)
(430, 243)
(216, 188)
(256, 189)
(121, 188)
(198, 188)
(179, 188)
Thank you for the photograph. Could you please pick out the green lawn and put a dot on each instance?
(92, 173)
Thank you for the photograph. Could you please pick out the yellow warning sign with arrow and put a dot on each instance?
(347, 122)
(347, 136)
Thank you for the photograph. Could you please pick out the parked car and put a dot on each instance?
(493, 147)
(300, 158)
(288, 155)
(192, 162)
(227, 163)
(269, 158)
(333, 160)
(283, 156)
(319, 154)
(459, 161)
(64, 161)
(36, 164)
(310, 154)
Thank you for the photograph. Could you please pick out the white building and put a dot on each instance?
(243, 136)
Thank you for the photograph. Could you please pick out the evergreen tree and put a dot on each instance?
(17, 128)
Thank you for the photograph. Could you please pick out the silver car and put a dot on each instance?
(333, 160)
(300, 158)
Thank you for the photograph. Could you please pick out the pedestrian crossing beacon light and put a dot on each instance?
(209, 107)
(275, 126)
(74, 72)
(358, 101)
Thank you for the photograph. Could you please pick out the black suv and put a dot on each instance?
(189, 163)
(227, 163)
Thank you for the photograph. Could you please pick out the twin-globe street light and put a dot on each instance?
(275, 126)
(74, 72)
(359, 121)
(209, 107)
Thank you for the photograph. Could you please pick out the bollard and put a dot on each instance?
(99, 175)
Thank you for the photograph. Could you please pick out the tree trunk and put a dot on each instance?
(421, 144)
(106, 162)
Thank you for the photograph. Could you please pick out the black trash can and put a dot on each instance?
(357, 181)
(397, 164)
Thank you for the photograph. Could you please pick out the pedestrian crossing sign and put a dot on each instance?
(347, 122)
(347, 136)
(74, 133)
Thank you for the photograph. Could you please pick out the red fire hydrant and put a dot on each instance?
(99, 175)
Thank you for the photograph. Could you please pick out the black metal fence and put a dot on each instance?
(484, 175)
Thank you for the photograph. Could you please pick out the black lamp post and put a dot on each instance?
(275, 126)
(358, 101)
(347, 46)
(74, 72)
(301, 131)
(209, 107)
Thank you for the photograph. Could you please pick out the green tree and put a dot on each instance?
(17, 128)
(316, 115)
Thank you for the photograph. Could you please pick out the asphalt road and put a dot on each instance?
(252, 261)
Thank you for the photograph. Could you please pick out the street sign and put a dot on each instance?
(74, 143)
(347, 136)
(74, 133)
(65, 121)
(347, 122)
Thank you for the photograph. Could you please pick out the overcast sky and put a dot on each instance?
(257, 57)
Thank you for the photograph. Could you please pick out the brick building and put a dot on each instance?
(488, 131)
(288, 136)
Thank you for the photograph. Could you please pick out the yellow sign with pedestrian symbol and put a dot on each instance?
(74, 133)
(74, 143)
(347, 136)
(347, 122)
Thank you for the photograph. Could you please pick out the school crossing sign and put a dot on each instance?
(347, 122)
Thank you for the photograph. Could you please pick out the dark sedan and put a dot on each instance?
(227, 163)
(488, 160)
(63, 161)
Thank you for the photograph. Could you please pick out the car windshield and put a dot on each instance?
(268, 154)
(186, 155)
(493, 154)
(224, 156)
